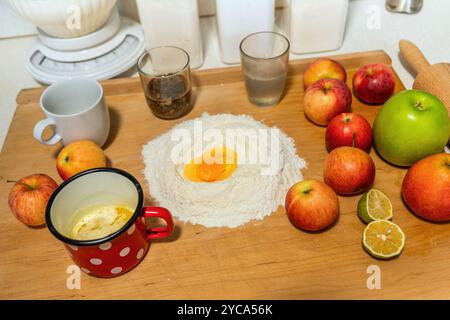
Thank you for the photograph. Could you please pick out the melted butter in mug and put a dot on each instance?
(100, 221)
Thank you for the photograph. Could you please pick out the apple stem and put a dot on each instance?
(18, 182)
(327, 87)
(354, 140)
(419, 106)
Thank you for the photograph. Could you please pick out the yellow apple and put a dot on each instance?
(79, 156)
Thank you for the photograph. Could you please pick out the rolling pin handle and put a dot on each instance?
(413, 56)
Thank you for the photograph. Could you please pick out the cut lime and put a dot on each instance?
(383, 239)
(374, 205)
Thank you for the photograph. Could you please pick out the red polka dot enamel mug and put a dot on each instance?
(120, 251)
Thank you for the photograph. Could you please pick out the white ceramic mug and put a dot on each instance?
(77, 111)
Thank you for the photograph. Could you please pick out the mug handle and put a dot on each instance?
(39, 130)
(158, 212)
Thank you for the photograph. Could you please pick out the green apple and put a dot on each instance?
(411, 125)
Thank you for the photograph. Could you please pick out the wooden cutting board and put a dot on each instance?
(267, 259)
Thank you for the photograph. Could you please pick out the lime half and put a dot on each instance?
(383, 239)
(374, 205)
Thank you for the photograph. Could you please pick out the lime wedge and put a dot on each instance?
(383, 239)
(374, 205)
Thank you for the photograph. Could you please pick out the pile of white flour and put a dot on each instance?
(246, 195)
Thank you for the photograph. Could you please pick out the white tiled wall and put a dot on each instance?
(11, 24)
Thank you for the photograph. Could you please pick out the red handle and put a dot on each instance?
(158, 212)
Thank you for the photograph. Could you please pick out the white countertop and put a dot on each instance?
(369, 27)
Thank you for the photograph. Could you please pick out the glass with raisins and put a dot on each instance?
(166, 80)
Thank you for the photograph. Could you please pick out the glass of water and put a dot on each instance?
(264, 62)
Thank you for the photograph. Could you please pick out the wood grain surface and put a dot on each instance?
(268, 259)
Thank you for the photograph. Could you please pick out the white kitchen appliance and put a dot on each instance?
(315, 25)
(173, 23)
(102, 54)
(236, 19)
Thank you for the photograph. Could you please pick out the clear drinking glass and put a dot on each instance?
(166, 80)
(264, 62)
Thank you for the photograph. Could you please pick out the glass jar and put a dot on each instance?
(166, 81)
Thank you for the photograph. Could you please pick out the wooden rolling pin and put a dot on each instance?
(434, 79)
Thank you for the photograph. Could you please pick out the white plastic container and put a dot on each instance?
(172, 23)
(238, 18)
(315, 25)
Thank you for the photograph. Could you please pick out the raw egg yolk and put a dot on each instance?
(216, 164)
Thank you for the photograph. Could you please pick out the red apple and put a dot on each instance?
(374, 83)
(349, 129)
(325, 99)
(29, 196)
(426, 188)
(323, 68)
(312, 205)
(349, 170)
